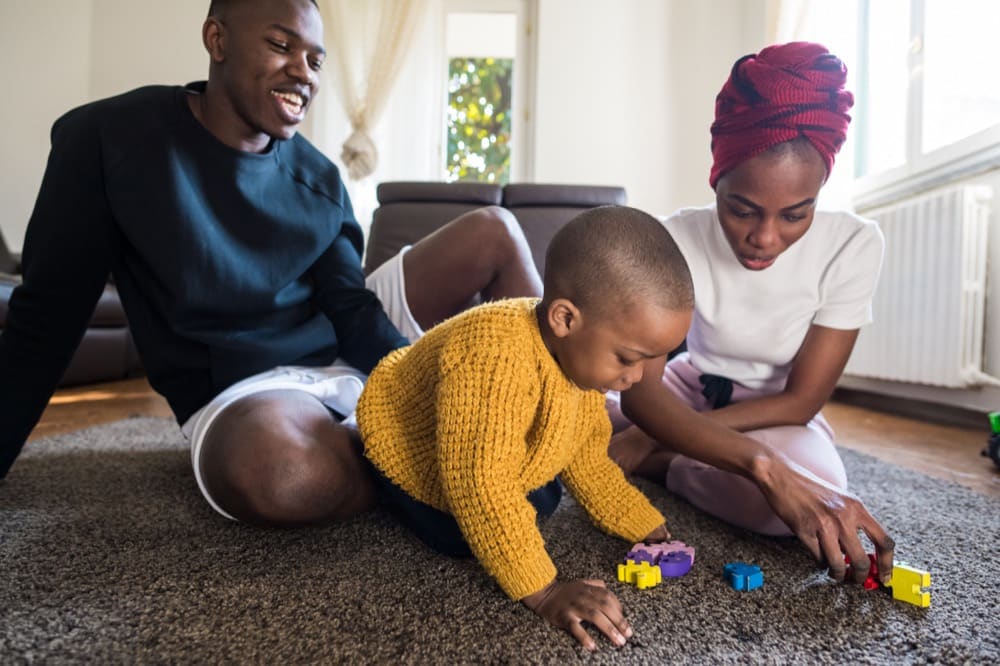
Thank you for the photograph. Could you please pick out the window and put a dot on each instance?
(479, 115)
(927, 107)
(486, 137)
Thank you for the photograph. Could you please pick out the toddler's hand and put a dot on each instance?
(661, 533)
(568, 605)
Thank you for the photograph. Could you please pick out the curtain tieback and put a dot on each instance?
(359, 154)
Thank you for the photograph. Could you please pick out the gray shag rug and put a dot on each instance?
(108, 554)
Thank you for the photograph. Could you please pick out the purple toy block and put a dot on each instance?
(674, 558)
(675, 564)
(658, 549)
(640, 556)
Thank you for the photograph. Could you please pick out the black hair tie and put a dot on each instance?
(718, 390)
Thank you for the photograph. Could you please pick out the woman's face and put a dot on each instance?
(767, 203)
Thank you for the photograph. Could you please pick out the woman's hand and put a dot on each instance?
(568, 605)
(826, 519)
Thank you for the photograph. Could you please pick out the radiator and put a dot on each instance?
(929, 306)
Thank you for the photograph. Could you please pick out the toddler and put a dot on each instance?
(473, 430)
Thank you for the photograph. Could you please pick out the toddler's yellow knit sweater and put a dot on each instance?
(476, 415)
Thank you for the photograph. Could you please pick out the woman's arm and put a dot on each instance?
(825, 518)
(814, 375)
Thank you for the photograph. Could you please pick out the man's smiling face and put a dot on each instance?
(267, 55)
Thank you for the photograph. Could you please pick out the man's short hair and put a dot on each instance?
(611, 258)
(216, 6)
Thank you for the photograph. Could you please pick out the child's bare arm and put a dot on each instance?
(568, 605)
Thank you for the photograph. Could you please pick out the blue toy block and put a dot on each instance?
(742, 576)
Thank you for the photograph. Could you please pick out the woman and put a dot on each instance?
(781, 291)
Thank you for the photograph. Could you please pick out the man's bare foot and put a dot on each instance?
(638, 454)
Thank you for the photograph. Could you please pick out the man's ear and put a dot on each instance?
(564, 317)
(213, 36)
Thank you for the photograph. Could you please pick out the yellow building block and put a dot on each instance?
(908, 585)
(643, 574)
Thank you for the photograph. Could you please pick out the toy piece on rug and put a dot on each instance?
(742, 576)
(907, 584)
(992, 449)
(871, 582)
(648, 563)
(641, 574)
(675, 558)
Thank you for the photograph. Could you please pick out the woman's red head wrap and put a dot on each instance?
(782, 93)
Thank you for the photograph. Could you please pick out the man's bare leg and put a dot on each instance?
(280, 457)
(483, 252)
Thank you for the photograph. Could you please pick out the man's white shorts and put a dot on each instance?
(337, 386)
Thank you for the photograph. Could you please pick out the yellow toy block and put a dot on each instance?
(643, 574)
(907, 585)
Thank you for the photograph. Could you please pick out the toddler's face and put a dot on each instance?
(608, 354)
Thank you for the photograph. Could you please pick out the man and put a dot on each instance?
(235, 251)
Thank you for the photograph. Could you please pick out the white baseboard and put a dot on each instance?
(983, 399)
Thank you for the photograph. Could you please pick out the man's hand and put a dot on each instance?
(825, 518)
(568, 605)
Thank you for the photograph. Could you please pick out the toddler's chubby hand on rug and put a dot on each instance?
(567, 605)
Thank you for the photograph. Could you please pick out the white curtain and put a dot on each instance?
(368, 39)
(832, 23)
(786, 20)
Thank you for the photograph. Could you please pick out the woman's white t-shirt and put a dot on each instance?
(749, 325)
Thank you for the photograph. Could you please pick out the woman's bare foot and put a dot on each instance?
(638, 454)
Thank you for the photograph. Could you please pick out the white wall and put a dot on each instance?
(625, 92)
(45, 72)
(59, 54)
(138, 43)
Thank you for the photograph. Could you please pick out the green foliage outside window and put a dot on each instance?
(479, 92)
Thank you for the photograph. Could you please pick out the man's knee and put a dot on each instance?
(499, 227)
(267, 461)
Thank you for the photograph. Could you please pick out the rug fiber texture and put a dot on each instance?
(108, 554)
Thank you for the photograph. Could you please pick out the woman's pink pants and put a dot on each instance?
(729, 496)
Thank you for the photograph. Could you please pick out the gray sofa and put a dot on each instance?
(106, 352)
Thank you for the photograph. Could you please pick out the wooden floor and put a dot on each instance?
(946, 452)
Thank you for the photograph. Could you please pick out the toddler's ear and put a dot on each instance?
(563, 317)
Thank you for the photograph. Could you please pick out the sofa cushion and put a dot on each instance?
(543, 209)
(7, 284)
(8, 262)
